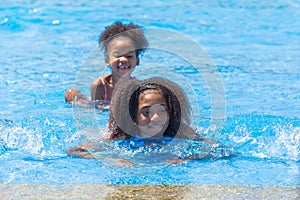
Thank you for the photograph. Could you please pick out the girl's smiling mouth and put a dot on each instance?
(125, 67)
(155, 126)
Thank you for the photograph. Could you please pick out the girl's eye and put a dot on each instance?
(129, 56)
(146, 113)
(162, 111)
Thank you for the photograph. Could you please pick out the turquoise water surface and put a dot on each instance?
(254, 46)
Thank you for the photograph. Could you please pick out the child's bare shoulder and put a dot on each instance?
(101, 80)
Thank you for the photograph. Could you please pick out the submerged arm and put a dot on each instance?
(209, 149)
(86, 151)
(82, 151)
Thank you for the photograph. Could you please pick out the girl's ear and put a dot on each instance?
(106, 61)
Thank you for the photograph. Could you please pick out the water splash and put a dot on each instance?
(37, 137)
(264, 136)
(253, 136)
(16, 137)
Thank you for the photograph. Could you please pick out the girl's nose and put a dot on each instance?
(155, 117)
(122, 59)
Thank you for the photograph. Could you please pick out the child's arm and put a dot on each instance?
(85, 151)
(97, 90)
(79, 152)
(208, 148)
(73, 95)
(176, 161)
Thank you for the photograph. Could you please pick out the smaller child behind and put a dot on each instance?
(122, 44)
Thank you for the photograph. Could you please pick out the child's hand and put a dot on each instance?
(79, 152)
(117, 162)
(122, 162)
(176, 161)
(83, 151)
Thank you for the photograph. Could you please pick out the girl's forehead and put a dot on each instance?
(121, 45)
(151, 93)
(121, 39)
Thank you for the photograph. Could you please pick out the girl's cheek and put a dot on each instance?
(114, 61)
(143, 121)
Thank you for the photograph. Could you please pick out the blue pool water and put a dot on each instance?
(46, 47)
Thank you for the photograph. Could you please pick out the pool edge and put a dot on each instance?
(99, 191)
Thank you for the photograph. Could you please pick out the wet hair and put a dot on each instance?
(125, 102)
(132, 31)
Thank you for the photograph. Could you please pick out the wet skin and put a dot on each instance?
(121, 56)
(152, 115)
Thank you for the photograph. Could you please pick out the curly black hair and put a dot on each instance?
(125, 100)
(132, 31)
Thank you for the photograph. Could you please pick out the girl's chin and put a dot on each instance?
(152, 135)
(122, 72)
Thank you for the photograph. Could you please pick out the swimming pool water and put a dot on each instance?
(254, 45)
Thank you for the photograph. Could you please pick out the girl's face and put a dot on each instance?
(152, 115)
(121, 56)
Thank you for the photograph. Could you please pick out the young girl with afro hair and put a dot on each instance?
(122, 44)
